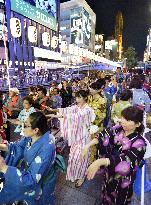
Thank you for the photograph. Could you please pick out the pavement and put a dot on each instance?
(88, 194)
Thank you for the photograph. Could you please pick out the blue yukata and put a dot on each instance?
(119, 79)
(109, 92)
(34, 180)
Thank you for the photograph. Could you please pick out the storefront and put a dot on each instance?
(32, 32)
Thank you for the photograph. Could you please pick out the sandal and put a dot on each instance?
(79, 183)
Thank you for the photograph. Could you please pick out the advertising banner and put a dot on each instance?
(34, 10)
(87, 27)
(76, 26)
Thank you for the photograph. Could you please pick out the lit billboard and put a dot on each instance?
(42, 11)
(80, 27)
(87, 27)
(76, 26)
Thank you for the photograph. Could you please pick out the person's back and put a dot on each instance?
(140, 96)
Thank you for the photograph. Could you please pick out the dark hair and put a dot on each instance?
(82, 93)
(32, 88)
(126, 95)
(139, 71)
(107, 77)
(29, 99)
(42, 89)
(39, 120)
(1, 93)
(119, 68)
(53, 82)
(1, 104)
(135, 114)
(98, 84)
(136, 82)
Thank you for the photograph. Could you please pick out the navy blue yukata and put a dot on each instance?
(30, 176)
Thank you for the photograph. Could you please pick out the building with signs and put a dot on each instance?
(3, 34)
(32, 32)
(147, 53)
(77, 24)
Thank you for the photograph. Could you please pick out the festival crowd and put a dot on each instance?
(101, 118)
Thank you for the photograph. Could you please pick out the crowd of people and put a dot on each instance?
(100, 118)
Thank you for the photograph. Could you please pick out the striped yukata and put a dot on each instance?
(75, 129)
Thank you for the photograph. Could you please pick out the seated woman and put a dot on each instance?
(121, 149)
(28, 170)
(24, 114)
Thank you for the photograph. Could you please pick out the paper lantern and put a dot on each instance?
(64, 46)
(15, 26)
(32, 34)
(54, 42)
(71, 49)
(46, 39)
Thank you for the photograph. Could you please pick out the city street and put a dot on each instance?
(75, 92)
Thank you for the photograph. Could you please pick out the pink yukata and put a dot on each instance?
(75, 129)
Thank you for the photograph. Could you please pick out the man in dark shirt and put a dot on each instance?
(66, 94)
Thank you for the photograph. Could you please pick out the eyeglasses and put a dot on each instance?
(26, 126)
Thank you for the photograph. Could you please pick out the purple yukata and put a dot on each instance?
(125, 154)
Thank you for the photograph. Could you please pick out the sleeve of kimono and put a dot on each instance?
(86, 116)
(38, 168)
(100, 109)
(67, 110)
(129, 160)
(105, 140)
(15, 152)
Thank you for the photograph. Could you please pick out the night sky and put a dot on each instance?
(137, 20)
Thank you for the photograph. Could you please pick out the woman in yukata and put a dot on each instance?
(28, 170)
(75, 123)
(97, 101)
(121, 150)
(23, 115)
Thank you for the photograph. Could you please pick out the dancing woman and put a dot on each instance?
(75, 123)
(28, 171)
(122, 149)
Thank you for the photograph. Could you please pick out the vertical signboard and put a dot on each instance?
(76, 26)
(86, 28)
(81, 27)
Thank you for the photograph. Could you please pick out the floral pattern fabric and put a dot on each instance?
(99, 106)
(125, 155)
(118, 107)
(28, 166)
